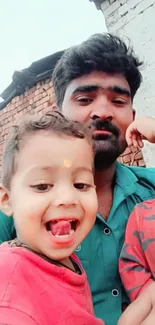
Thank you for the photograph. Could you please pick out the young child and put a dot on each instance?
(137, 260)
(48, 187)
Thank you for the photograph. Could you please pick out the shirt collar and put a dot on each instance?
(125, 178)
(125, 185)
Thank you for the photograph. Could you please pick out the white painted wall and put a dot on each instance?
(135, 19)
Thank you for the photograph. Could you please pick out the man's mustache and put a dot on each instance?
(99, 124)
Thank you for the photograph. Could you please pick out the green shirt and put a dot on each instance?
(99, 252)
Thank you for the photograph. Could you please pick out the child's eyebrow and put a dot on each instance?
(53, 169)
(42, 168)
(86, 169)
(48, 168)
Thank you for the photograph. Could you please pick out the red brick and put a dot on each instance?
(126, 152)
(19, 108)
(44, 94)
(37, 92)
(36, 98)
(30, 101)
(133, 149)
(38, 85)
(45, 105)
(138, 155)
(126, 159)
(141, 163)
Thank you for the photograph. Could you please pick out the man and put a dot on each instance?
(96, 81)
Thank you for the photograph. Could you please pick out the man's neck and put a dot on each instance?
(105, 178)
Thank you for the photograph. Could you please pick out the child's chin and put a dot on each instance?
(58, 254)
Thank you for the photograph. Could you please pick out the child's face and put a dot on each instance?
(52, 194)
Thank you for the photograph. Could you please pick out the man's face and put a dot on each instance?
(106, 101)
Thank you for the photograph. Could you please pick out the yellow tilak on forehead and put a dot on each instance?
(67, 163)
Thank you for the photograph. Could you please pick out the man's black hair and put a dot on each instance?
(101, 52)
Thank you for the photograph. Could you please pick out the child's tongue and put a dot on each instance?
(61, 227)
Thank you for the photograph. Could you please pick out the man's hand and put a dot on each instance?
(141, 129)
(142, 310)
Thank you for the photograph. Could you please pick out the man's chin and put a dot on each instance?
(106, 153)
(102, 162)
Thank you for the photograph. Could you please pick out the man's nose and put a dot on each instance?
(102, 110)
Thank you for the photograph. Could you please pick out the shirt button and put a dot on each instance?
(115, 292)
(106, 231)
(78, 248)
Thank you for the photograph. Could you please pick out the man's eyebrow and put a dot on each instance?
(84, 89)
(90, 88)
(120, 90)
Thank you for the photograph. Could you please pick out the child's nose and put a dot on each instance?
(66, 198)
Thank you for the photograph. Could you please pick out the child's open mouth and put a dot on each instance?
(62, 228)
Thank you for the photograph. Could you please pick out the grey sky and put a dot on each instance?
(33, 29)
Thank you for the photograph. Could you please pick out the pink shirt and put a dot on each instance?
(137, 259)
(33, 291)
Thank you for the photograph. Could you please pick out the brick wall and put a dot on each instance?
(38, 99)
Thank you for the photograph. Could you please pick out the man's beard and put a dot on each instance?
(108, 147)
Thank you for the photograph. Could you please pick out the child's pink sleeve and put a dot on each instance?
(133, 266)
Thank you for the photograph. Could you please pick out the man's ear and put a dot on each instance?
(134, 113)
(5, 204)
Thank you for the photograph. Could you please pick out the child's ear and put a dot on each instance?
(5, 204)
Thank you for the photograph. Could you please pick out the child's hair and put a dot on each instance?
(51, 122)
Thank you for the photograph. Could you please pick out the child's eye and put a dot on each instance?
(82, 186)
(42, 187)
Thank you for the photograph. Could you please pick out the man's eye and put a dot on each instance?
(42, 187)
(82, 186)
(84, 100)
(118, 102)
